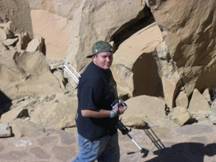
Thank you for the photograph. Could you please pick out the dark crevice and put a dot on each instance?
(143, 19)
(146, 77)
(5, 103)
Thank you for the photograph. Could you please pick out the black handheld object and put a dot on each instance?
(119, 103)
(124, 130)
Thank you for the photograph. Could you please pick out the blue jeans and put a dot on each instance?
(105, 149)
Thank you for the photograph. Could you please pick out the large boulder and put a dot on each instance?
(19, 13)
(46, 111)
(8, 70)
(26, 74)
(71, 28)
(13, 114)
(190, 36)
(21, 128)
(143, 109)
(180, 115)
(59, 113)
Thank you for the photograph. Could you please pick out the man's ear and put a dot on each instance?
(94, 57)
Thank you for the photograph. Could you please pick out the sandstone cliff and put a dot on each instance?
(163, 49)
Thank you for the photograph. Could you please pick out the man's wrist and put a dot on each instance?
(113, 113)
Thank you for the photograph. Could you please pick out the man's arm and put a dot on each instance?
(96, 114)
(103, 113)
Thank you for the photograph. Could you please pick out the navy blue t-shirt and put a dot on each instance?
(96, 90)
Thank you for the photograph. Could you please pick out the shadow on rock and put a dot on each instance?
(5, 103)
(185, 152)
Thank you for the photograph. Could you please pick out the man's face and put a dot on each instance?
(103, 59)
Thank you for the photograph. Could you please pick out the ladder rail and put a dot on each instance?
(70, 71)
(73, 69)
(71, 74)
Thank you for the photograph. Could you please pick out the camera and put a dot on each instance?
(118, 103)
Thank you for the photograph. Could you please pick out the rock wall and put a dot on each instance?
(19, 13)
(70, 28)
(189, 28)
(135, 68)
(56, 22)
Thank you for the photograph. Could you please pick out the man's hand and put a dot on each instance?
(118, 108)
(121, 109)
(122, 106)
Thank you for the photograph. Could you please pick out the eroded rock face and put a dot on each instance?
(135, 65)
(18, 12)
(190, 36)
(77, 25)
(26, 74)
(55, 29)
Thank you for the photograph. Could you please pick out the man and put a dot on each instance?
(96, 118)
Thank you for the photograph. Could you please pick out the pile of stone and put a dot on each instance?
(32, 97)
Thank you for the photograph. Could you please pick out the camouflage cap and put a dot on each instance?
(100, 46)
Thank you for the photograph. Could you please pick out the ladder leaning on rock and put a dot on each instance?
(70, 72)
